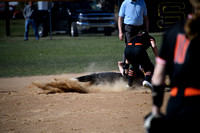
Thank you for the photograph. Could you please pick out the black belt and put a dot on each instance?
(134, 26)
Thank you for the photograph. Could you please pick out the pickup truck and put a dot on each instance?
(74, 17)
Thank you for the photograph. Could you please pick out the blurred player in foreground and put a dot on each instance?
(178, 58)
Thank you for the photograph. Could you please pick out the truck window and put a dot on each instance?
(83, 5)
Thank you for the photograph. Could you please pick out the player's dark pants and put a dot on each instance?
(137, 55)
(183, 113)
(130, 32)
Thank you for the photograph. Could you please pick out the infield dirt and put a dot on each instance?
(106, 108)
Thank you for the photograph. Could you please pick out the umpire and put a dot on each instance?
(134, 14)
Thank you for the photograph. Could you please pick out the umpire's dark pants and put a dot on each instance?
(131, 31)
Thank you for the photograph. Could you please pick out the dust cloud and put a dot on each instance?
(73, 85)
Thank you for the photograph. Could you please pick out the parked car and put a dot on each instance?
(13, 14)
(18, 15)
(74, 17)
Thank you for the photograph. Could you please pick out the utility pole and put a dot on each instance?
(7, 18)
(50, 26)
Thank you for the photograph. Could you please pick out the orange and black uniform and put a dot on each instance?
(181, 56)
(135, 53)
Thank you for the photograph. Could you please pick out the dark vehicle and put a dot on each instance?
(76, 17)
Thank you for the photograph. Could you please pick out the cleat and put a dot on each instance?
(73, 79)
(128, 87)
(147, 84)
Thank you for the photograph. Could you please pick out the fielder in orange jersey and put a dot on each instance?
(136, 55)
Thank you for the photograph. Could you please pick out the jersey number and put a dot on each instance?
(182, 44)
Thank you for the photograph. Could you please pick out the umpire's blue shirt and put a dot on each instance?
(133, 12)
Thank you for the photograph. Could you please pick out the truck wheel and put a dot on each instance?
(107, 32)
(42, 32)
(73, 29)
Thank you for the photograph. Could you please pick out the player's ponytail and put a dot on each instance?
(192, 28)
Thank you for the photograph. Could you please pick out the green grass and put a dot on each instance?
(63, 54)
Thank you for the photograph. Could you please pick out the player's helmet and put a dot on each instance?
(143, 32)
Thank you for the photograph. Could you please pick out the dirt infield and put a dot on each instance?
(25, 108)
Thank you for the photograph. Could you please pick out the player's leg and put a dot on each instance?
(131, 76)
(131, 54)
(148, 68)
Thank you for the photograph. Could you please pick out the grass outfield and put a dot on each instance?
(63, 54)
